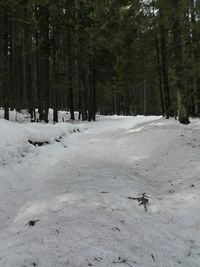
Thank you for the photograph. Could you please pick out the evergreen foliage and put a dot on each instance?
(124, 57)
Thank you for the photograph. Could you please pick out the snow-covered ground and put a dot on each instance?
(79, 191)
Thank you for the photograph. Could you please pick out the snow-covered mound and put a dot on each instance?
(50, 133)
(18, 139)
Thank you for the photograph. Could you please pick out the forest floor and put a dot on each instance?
(76, 202)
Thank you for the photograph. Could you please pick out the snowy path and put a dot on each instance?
(80, 194)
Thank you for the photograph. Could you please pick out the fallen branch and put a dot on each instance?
(31, 223)
(123, 261)
(143, 200)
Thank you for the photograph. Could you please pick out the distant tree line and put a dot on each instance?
(124, 57)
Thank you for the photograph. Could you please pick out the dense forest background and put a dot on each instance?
(124, 57)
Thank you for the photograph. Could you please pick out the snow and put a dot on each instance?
(15, 138)
(24, 116)
(80, 188)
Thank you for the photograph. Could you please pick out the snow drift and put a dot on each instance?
(16, 140)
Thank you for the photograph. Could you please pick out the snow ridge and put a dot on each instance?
(16, 140)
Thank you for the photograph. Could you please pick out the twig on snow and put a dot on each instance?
(123, 261)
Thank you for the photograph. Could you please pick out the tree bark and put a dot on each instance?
(163, 51)
(178, 55)
(43, 62)
(5, 67)
(70, 75)
(160, 78)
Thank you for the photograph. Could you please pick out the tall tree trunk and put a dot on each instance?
(84, 99)
(160, 78)
(94, 110)
(43, 62)
(163, 51)
(196, 58)
(29, 69)
(178, 55)
(5, 67)
(92, 89)
(70, 74)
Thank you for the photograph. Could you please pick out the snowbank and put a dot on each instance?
(18, 139)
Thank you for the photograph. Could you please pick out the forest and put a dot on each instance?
(99, 133)
(124, 57)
